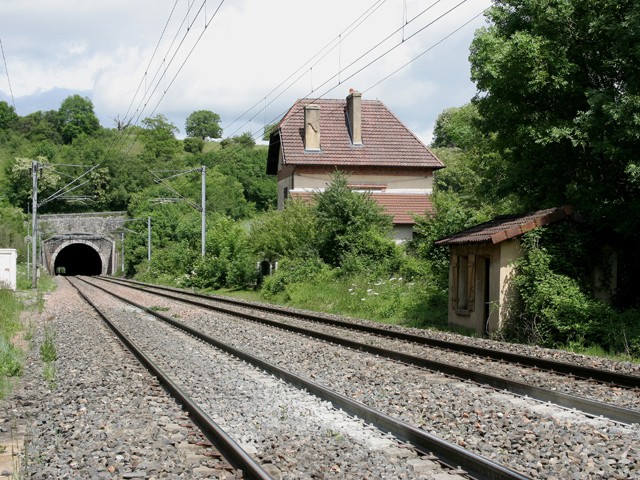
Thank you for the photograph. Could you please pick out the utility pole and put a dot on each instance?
(122, 246)
(34, 223)
(148, 242)
(203, 208)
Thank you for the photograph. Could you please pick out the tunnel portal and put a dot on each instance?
(78, 259)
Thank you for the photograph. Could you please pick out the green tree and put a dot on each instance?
(351, 225)
(246, 165)
(558, 87)
(8, 115)
(458, 127)
(18, 177)
(76, 118)
(269, 129)
(244, 140)
(159, 138)
(288, 233)
(203, 124)
(40, 126)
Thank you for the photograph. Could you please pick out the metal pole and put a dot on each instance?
(148, 242)
(34, 225)
(28, 248)
(204, 208)
(122, 247)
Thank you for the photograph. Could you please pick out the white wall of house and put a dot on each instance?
(395, 183)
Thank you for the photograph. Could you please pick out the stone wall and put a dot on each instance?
(92, 229)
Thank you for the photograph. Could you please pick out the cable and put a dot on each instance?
(344, 34)
(184, 61)
(427, 50)
(359, 58)
(258, 134)
(387, 52)
(151, 60)
(7, 72)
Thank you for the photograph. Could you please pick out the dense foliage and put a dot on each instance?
(555, 121)
(560, 93)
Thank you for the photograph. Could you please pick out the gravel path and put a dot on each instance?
(538, 440)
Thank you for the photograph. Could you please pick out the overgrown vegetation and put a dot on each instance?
(554, 122)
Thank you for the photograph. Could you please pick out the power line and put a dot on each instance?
(401, 28)
(155, 50)
(206, 25)
(324, 51)
(7, 72)
(379, 57)
(426, 51)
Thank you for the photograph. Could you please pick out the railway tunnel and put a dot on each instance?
(80, 243)
(78, 259)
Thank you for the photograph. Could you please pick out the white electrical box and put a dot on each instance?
(8, 267)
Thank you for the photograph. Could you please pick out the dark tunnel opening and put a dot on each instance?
(78, 259)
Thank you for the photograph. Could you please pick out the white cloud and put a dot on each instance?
(103, 47)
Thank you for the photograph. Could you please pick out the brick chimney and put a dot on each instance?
(312, 127)
(354, 116)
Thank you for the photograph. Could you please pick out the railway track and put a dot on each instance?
(546, 390)
(456, 461)
(495, 425)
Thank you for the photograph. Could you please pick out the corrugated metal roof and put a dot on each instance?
(506, 227)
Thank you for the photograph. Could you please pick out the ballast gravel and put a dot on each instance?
(536, 439)
(291, 433)
(621, 397)
(97, 414)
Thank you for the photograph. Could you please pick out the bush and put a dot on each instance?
(553, 309)
(292, 271)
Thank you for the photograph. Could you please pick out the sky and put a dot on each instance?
(246, 60)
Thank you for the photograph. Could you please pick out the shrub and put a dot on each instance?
(553, 309)
(292, 271)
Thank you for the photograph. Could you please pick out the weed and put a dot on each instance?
(156, 308)
(48, 349)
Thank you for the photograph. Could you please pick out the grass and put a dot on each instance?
(12, 306)
(392, 300)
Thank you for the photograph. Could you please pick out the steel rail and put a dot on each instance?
(232, 452)
(595, 374)
(449, 454)
(589, 407)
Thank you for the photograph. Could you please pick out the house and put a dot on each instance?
(481, 267)
(362, 139)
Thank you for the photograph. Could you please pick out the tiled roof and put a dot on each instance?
(386, 141)
(506, 227)
(399, 206)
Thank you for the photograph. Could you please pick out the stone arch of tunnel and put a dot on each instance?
(78, 259)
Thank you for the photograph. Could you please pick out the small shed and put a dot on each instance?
(481, 267)
(8, 268)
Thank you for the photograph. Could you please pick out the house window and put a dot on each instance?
(463, 284)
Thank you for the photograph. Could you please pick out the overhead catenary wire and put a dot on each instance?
(318, 56)
(215, 13)
(341, 80)
(4, 60)
(388, 51)
(432, 46)
(339, 38)
(155, 50)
